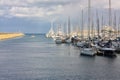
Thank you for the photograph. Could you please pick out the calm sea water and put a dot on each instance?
(39, 58)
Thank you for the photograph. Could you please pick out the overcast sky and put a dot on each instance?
(35, 15)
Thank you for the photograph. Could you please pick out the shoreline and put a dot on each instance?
(5, 36)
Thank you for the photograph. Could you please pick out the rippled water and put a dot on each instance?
(39, 58)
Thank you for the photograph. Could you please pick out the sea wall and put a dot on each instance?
(4, 36)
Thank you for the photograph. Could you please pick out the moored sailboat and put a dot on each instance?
(51, 32)
(88, 49)
(106, 46)
(59, 37)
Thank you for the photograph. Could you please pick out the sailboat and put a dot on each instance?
(88, 49)
(59, 37)
(68, 36)
(107, 49)
(81, 42)
(51, 32)
(116, 43)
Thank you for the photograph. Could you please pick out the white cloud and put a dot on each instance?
(33, 8)
(27, 12)
(12, 3)
(105, 4)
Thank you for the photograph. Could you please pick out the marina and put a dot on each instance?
(39, 58)
(60, 40)
(102, 40)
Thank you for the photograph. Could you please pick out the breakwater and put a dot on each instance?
(4, 36)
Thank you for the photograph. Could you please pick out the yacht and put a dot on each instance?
(88, 50)
(51, 33)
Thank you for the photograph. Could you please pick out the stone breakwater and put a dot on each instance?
(4, 36)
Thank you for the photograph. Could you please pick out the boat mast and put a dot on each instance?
(69, 26)
(89, 17)
(115, 26)
(82, 26)
(92, 29)
(59, 30)
(110, 13)
(51, 25)
(118, 26)
(98, 25)
(110, 18)
(102, 22)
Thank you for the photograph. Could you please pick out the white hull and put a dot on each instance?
(80, 44)
(50, 35)
(58, 39)
(68, 41)
(107, 49)
(88, 52)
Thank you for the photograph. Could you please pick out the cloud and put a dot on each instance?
(26, 12)
(1, 12)
(47, 8)
(12, 3)
(32, 11)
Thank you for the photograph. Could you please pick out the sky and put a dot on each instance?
(35, 16)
